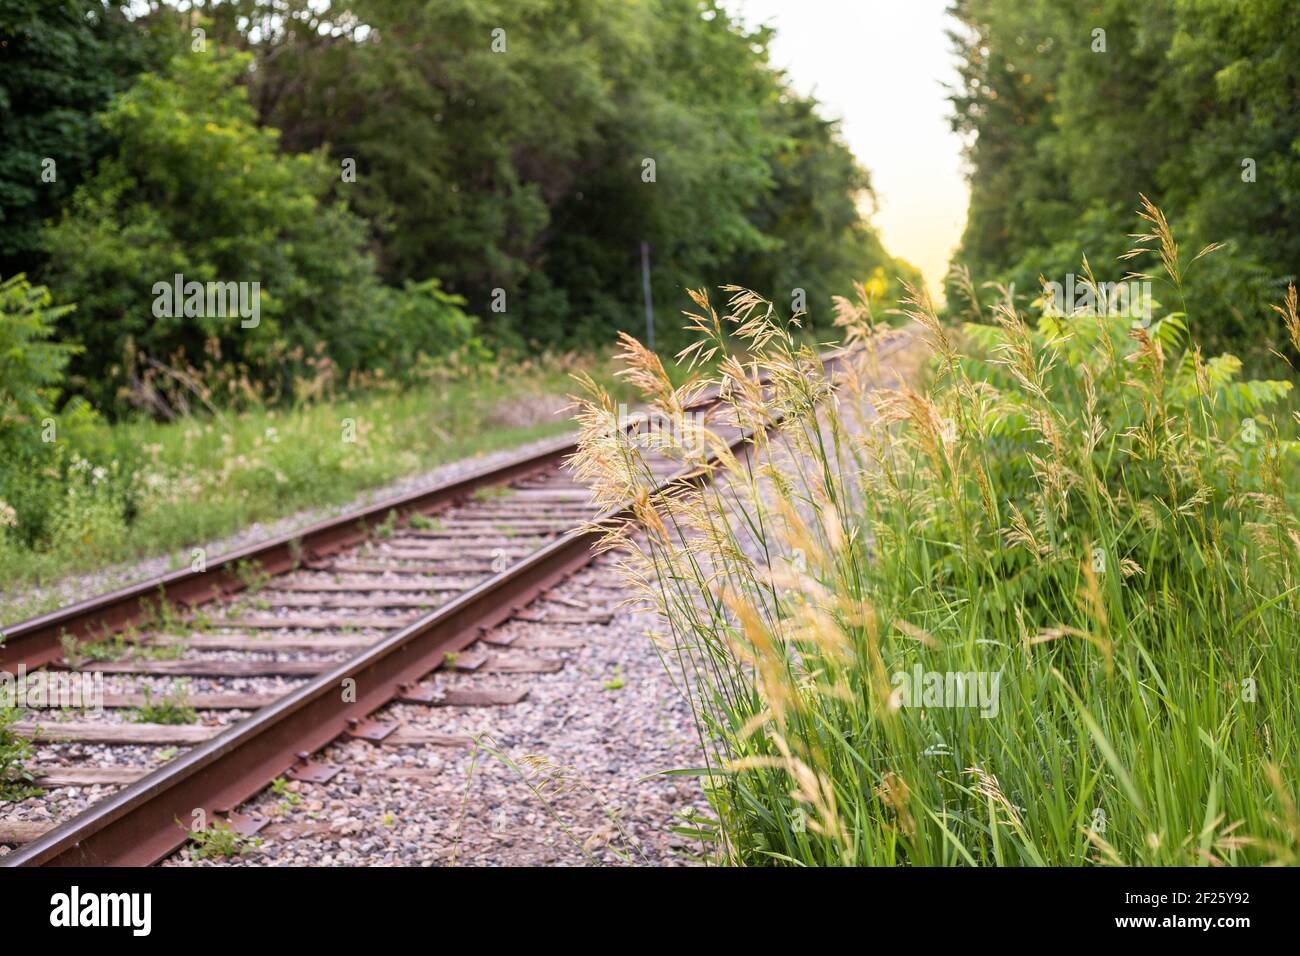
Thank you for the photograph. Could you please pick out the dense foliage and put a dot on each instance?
(1040, 612)
(31, 366)
(32, 437)
(1191, 102)
(194, 187)
(386, 170)
(502, 144)
(62, 61)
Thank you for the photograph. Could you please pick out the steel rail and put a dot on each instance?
(144, 822)
(138, 825)
(37, 641)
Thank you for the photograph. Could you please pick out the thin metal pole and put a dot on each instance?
(649, 303)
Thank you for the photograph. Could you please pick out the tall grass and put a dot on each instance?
(1082, 537)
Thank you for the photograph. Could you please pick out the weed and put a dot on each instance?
(220, 840)
(114, 648)
(251, 575)
(385, 528)
(288, 798)
(172, 709)
(420, 522)
(16, 781)
(71, 646)
(1096, 513)
(160, 615)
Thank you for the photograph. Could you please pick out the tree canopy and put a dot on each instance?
(506, 145)
(394, 172)
(1074, 109)
(63, 60)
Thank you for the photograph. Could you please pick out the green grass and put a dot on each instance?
(173, 708)
(1070, 507)
(123, 491)
(219, 840)
(419, 522)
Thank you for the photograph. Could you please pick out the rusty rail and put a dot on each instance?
(144, 822)
(37, 641)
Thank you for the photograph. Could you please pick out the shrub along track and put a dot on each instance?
(289, 645)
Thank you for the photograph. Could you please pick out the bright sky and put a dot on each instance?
(880, 66)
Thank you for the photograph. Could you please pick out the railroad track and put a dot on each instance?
(268, 654)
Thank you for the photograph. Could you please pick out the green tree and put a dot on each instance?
(194, 187)
(523, 155)
(62, 61)
(1065, 133)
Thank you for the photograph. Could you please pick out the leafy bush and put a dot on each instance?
(16, 781)
(1083, 540)
(420, 319)
(195, 188)
(31, 373)
(31, 366)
